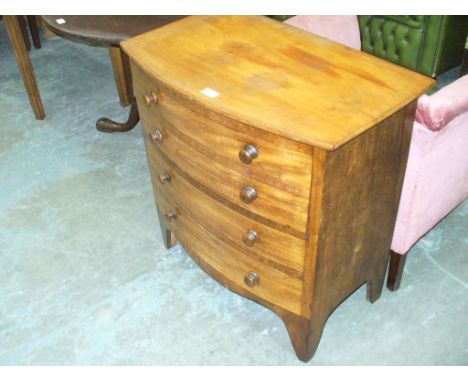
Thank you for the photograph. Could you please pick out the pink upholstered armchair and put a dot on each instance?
(436, 179)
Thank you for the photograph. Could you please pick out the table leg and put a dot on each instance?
(32, 21)
(24, 63)
(47, 31)
(123, 75)
(125, 94)
(24, 32)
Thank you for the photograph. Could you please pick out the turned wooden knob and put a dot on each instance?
(156, 136)
(164, 177)
(248, 154)
(150, 98)
(170, 215)
(250, 238)
(251, 279)
(248, 194)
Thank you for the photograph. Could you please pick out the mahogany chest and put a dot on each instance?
(277, 159)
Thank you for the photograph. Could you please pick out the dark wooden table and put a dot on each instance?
(108, 32)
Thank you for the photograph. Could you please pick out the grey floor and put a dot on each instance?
(85, 279)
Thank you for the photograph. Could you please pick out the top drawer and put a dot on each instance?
(210, 153)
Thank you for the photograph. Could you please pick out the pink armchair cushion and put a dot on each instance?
(436, 111)
(342, 29)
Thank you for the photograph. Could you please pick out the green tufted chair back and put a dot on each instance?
(427, 44)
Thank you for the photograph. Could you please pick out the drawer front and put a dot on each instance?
(209, 152)
(255, 240)
(270, 284)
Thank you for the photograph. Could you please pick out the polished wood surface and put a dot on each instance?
(312, 90)
(291, 216)
(15, 35)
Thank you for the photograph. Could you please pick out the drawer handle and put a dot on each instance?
(251, 279)
(150, 98)
(248, 194)
(156, 136)
(250, 238)
(248, 154)
(165, 177)
(170, 215)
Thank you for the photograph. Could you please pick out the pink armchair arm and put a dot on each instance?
(436, 111)
(436, 179)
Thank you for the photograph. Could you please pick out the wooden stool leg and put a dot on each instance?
(121, 80)
(106, 124)
(19, 48)
(32, 21)
(24, 32)
(395, 271)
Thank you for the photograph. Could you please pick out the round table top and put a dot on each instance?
(104, 30)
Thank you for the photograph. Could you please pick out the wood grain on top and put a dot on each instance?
(276, 77)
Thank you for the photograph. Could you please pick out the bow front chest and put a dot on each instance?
(277, 159)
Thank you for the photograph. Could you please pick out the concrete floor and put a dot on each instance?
(85, 279)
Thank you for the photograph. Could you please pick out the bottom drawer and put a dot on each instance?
(271, 285)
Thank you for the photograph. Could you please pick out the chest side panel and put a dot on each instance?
(361, 191)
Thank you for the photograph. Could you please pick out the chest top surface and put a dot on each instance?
(276, 77)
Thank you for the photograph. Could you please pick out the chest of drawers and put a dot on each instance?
(277, 159)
